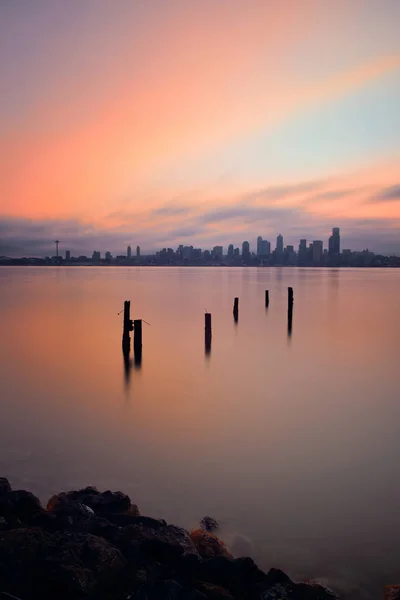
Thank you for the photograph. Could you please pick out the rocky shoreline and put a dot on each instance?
(97, 545)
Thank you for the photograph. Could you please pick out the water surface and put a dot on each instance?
(291, 442)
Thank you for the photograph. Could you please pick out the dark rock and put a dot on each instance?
(19, 506)
(4, 486)
(38, 563)
(209, 524)
(232, 574)
(208, 545)
(275, 576)
(287, 590)
(213, 592)
(312, 591)
(160, 590)
(99, 502)
(164, 544)
(123, 519)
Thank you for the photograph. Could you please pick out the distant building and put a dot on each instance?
(245, 249)
(217, 252)
(263, 247)
(129, 252)
(138, 251)
(303, 252)
(334, 241)
(230, 251)
(96, 255)
(236, 252)
(67, 255)
(108, 256)
(187, 252)
(318, 252)
(279, 245)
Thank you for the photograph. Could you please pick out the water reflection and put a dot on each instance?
(127, 368)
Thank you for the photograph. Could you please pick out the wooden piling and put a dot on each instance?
(207, 332)
(236, 309)
(266, 298)
(127, 327)
(137, 337)
(290, 310)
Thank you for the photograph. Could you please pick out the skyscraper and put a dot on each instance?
(67, 255)
(318, 252)
(303, 252)
(245, 249)
(137, 251)
(279, 245)
(230, 251)
(129, 252)
(263, 247)
(334, 241)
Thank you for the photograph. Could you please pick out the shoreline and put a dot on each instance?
(97, 545)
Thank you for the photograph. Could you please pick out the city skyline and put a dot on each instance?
(150, 122)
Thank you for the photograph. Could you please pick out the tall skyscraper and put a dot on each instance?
(259, 245)
(137, 251)
(230, 251)
(318, 252)
(334, 241)
(263, 247)
(245, 249)
(303, 252)
(279, 245)
(129, 252)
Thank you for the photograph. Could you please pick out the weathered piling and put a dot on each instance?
(266, 298)
(290, 296)
(127, 327)
(207, 332)
(137, 337)
(290, 310)
(236, 309)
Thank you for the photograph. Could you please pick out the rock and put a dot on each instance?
(312, 591)
(99, 502)
(36, 563)
(275, 576)
(208, 545)
(124, 519)
(284, 589)
(160, 590)
(19, 506)
(164, 544)
(213, 592)
(209, 524)
(234, 574)
(4, 486)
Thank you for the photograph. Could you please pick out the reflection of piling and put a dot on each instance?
(290, 310)
(236, 309)
(137, 340)
(266, 298)
(207, 332)
(128, 326)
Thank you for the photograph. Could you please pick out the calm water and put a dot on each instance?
(291, 443)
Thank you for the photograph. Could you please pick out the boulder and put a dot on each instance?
(165, 544)
(125, 519)
(208, 544)
(4, 486)
(99, 502)
(312, 590)
(234, 574)
(209, 524)
(35, 563)
(213, 592)
(19, 506)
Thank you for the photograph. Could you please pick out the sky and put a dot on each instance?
(198, 122)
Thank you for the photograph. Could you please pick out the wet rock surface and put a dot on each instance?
(89, 544)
